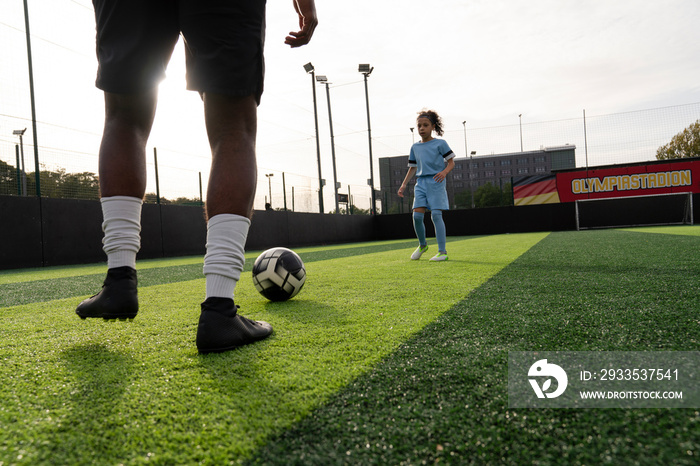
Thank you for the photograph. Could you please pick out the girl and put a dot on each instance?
(431, 160)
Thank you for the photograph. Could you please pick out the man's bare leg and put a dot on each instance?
(231, 126)
(122, 169)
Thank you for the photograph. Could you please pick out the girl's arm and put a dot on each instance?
(440, 177)
(409, 175)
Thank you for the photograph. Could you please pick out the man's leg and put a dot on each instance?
(128, 123)
(231, 127)
(122, 169)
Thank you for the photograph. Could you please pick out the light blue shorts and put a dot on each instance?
(430, 194)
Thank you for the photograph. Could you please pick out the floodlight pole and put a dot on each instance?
(585, 139)
(471, 184)
(284, 191)
(33, 104)
(521, 131)
(269, 186)
(309, 68)
(201, 199)
(464, 124)
(330, 124)
(20, 133)
(155, 164)
(366, 70)
(466, 154)
(19, 171)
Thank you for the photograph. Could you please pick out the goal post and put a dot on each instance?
(616, 212)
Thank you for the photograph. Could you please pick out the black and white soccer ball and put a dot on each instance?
(279, 274)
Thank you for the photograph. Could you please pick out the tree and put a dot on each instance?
(683, 145)
(463, 199)
(8, 179)
(354, 210)
(152, 198)
(490, 195)
(60, 184)
(487, 195)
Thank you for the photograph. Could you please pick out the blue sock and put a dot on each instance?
(440, 232)
(419, 227)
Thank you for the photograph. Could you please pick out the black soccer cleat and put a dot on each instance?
(222, 329)
(118, 298)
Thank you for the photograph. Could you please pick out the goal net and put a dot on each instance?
(662, 209)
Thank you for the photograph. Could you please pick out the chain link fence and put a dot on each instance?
(599, 140)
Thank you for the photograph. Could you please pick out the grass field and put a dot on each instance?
(379, 359)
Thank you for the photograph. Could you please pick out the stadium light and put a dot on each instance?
(20, 133)
(413, 138)
(366, 70)
(309, 68)
(324, 80)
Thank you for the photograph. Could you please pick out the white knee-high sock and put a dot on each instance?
(225, 257)
(122, 228)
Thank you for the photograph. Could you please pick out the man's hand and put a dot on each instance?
(306, 9)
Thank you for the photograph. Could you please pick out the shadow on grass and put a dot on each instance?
(91, 404)
(442, 396)
(306, 311)
(293, 319)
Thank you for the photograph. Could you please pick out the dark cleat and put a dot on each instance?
(118, 298)
(222, 329)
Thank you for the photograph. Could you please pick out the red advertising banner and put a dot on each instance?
(633, 180)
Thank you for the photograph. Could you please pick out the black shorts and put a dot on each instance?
(223, 44)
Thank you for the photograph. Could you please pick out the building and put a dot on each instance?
(473, 172)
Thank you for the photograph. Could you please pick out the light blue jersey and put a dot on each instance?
(430, 157)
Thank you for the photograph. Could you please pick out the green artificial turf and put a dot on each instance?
(91, 392)
(35, 285)
(684, 230)
(379, 360)
(442, 396)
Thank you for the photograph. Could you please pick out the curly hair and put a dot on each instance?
(434, 119)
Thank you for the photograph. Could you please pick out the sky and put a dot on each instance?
(482, 62)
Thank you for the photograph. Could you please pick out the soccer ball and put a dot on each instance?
(279, 274)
